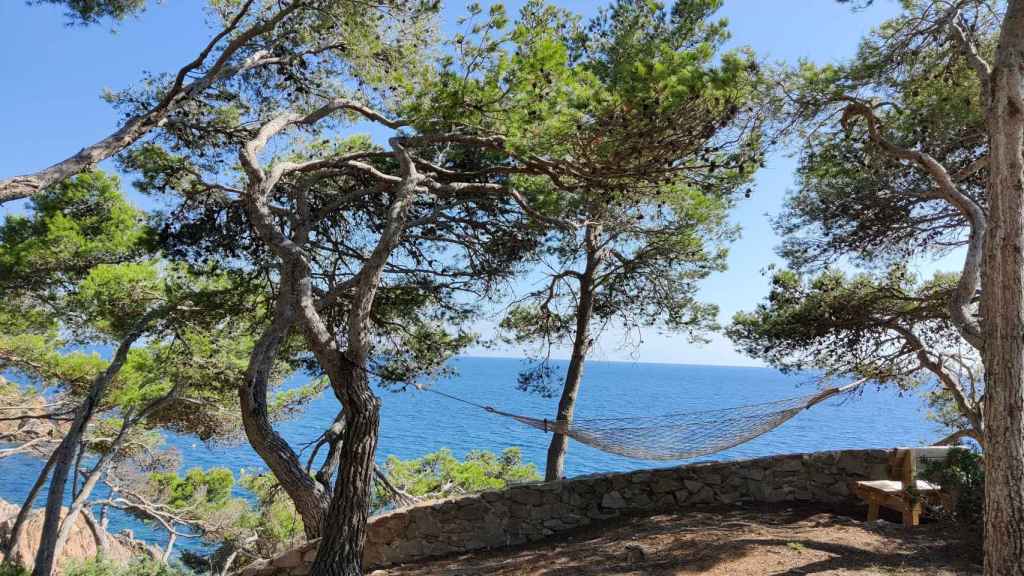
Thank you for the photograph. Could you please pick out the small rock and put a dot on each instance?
(635, 554)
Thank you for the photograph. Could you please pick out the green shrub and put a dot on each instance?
(197, 487)
(7, 569)
(273, 516)
(441, 474)
(962, 475)
(137, 567)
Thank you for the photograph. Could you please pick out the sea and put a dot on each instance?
(415, 422)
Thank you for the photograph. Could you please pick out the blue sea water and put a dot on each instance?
(415, 422)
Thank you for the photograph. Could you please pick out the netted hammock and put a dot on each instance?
(675, 436)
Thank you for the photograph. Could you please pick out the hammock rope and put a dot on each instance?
(674, 436)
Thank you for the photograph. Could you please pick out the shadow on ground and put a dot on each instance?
(761, 541)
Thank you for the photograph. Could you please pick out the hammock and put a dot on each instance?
(674, 436)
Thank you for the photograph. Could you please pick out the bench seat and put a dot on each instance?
(894, 494)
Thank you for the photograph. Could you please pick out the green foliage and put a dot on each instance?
(39, 358)
(85, 12)
(846, 324)
(198, 488)
(643, 209)
(440, 474)
(266, 520)
(890, 328)
(79, 224)
(962, 476)
(595, 94)
(9, 569)
(81, 270)
(427, 348)
(853, 199)
(291, 401)
(136, 567)
(113, 297)
(273, 517)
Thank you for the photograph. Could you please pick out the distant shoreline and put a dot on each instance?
(763, 367)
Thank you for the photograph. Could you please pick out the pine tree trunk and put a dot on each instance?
(344, 533)
(1003, 308)
(309, 496)
(555, 467)
(46, 558)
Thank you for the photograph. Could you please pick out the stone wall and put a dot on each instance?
(532, 512)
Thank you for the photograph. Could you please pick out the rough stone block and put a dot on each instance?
(613, 500)
(693, 485)
(524, 495)
(662, 485)
(789, 464)
(387, 527)
(704, 496)
(713, 479)
(640, 477)
(729, 497)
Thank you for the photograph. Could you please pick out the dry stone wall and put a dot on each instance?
(532, 512)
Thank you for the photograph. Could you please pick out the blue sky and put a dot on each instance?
(51, 107)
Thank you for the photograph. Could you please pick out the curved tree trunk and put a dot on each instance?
(555, 467)
(341, 548)
(344, 527)
(309, 496)
(1002, 307)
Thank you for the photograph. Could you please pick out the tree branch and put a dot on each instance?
(136, 127)
(970, 277)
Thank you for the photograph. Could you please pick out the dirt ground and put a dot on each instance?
(736, 542)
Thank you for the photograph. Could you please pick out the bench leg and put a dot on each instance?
(872, 510)
(912, 515)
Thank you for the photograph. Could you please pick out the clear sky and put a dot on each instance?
(50, 107)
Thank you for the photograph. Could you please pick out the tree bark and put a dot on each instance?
(309, 496)
(341, 548)
(1002, 306)
(344, 528)
(64, 456)
(555, 467)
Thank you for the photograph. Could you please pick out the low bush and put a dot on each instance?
(138, 567)
(7, 569)
(962, 477)
(440, 474)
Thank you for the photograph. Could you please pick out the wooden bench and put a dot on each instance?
(894, 494)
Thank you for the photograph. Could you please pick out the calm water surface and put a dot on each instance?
(415, 423)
